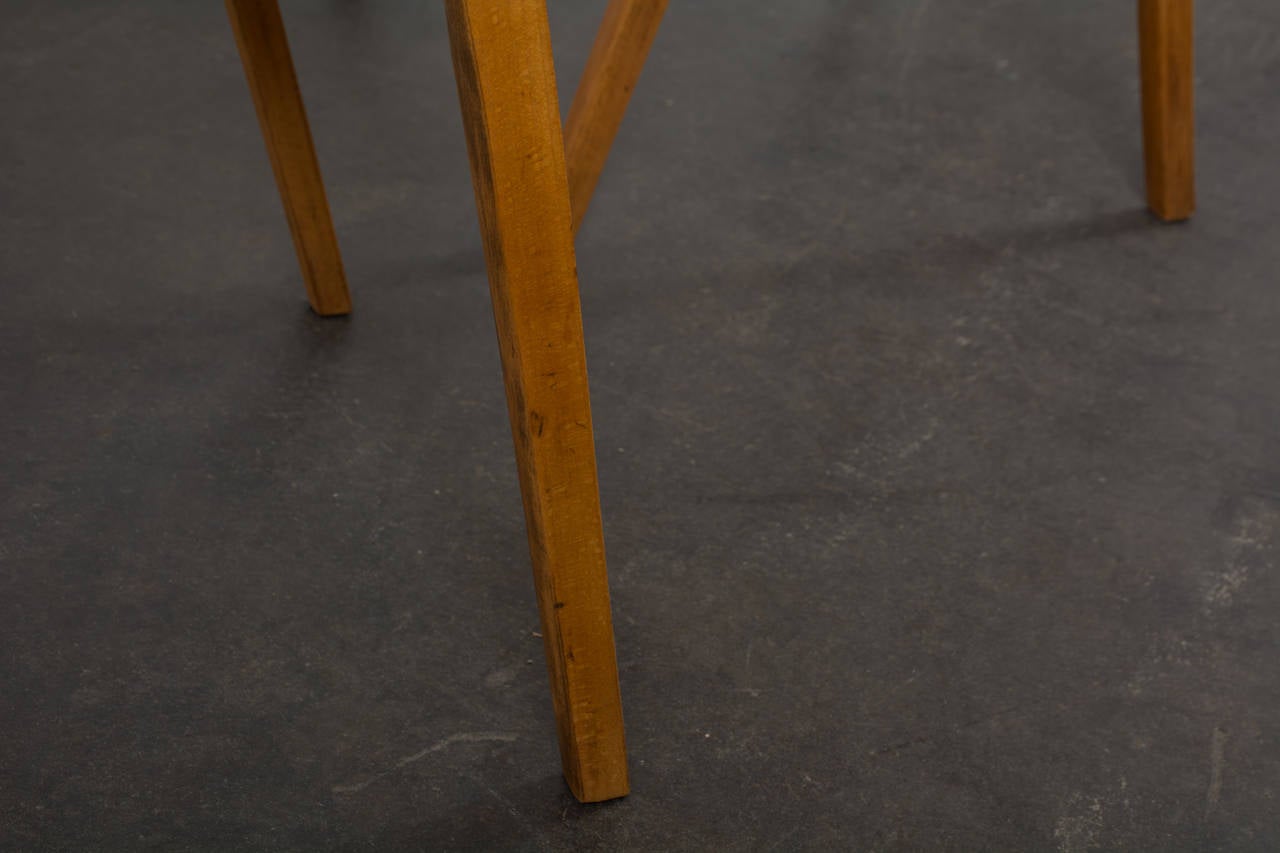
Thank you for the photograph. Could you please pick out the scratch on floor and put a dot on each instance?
(461, 737)
(1249, 551)
(1077, 831)
(1217, 762)
(531, 831)
(921, 441)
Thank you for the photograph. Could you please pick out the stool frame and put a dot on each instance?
(533, 184)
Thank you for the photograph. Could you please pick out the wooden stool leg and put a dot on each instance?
(506, 85)
(1168, 114)
(617, 57)
(265, 53)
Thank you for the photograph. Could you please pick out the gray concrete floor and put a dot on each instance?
(941, 484)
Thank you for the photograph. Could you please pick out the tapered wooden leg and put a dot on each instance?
(617, 57)
(1168, 113)
(265, 53)
(506, 84)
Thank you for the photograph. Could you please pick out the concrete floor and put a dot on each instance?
(941, 484)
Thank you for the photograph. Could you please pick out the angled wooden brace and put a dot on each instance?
(616, 60)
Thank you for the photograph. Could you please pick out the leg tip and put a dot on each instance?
(1171, 215)
(1172, 203)
(600, 791)
(331, 307)
(604, 779)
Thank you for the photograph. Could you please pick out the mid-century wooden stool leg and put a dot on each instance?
(1168, 112)
(265, 53)
(616, 59)
(506, 85)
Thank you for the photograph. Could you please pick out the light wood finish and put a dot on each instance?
(264, 50)
(1168, 110)
(617, 57)
(506, 85)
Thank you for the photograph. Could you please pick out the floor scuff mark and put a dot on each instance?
(462, 737)
(1217, 763)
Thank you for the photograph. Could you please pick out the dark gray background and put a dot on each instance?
(941, 484)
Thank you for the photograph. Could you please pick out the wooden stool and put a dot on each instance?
(532, 188)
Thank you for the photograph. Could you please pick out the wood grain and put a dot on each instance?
(506, 85)
(1166, 36)
(264, 49)
(616, 60)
